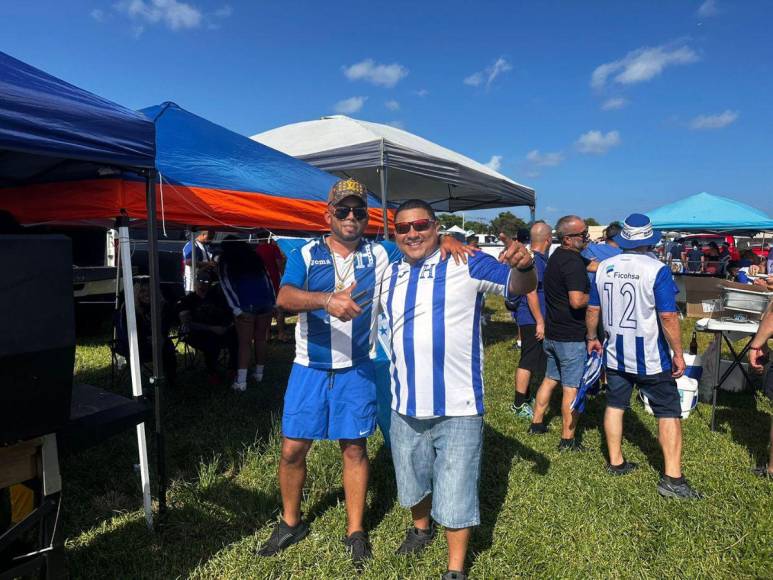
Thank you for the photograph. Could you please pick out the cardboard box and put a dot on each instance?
(702, 296)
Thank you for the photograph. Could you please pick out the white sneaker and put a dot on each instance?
(239, 387)
(257, 376)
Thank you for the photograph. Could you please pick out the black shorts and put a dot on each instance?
(660, 390)
(532, 354)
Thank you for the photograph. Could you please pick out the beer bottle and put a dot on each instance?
(694, 344)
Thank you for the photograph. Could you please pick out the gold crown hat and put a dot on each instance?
(347, 188)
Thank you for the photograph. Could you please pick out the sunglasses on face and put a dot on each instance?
(583, 234)
(341, 212)
(418, 225)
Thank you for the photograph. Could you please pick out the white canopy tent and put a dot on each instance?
(398, 164)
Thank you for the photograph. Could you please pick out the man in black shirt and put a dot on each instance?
(206, 321)
(566, 288)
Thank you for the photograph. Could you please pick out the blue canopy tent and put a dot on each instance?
(704, 212)
(208, 177)
(46, 123)
(51, 131)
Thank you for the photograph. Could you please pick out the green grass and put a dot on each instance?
(544, 514)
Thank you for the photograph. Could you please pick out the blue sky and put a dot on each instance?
(605, 108)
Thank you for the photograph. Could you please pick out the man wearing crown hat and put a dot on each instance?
(331, 394)
(634, 294)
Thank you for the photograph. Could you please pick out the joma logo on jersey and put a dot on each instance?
(319, 263)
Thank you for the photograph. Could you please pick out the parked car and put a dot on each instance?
(705, 239)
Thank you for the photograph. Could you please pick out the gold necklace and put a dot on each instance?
(340, 278)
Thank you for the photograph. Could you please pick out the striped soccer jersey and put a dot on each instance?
(323, 341)
(631, 289)
(433, 309)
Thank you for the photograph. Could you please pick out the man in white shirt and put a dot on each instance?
(433, 309)
(635, 295)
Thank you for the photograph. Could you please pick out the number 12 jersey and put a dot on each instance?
(631, 289)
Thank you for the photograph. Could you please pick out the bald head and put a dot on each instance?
(570, 229)
(540, 235)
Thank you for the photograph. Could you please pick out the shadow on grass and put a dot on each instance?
(383, 486)
(499, 451)
(746, 425)
(193, 531)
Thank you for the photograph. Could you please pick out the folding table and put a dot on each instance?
(730, 331)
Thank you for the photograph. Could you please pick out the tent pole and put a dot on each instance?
(157, 380)
(383, 171)
(134, 359)
(532, 214)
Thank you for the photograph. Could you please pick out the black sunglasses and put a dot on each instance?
(341, 212)
(582, 234)
(421, 225)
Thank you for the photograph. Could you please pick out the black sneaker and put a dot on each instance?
(624, 468)
(571, 445)
(454, 575)
(762, 471)
(358, 545)
(283, 537)
(416, 540)
(537, 429)
(677, 490)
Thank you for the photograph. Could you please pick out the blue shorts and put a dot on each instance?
(565, 361)
(330, 404)
(660, 390)
(442, 457)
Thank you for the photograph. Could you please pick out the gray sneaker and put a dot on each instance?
(416, 540)
(283, 537)
(454, 575)
(679, 490)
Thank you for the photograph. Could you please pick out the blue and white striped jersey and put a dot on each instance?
(433, 309)
(631, 289)
(323, 341)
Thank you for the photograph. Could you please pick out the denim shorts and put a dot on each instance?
(330, 404)
(439, 456)
(660, 390)
(565, 361)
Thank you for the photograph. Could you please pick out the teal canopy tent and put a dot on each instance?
(709, 213)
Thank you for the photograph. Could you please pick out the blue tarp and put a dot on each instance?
(709, 213)
(44, 121)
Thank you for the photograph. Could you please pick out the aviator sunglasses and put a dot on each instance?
(418, 225)
(341, 212)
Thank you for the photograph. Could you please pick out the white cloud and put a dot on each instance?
(488, 74)
(392, 105)
(350, 105)
(708, 9)
(614, 103)
(642, 65)
(98, 15)
(224, 11)
(544, 159)
(422, 92)
(385, 75)
(494, 163)
(717, 121)
(175, 15)
(597, 143)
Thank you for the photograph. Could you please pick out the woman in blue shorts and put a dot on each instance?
(250, 295)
